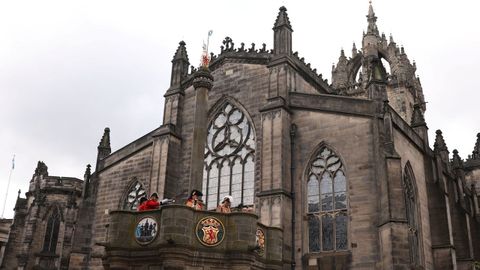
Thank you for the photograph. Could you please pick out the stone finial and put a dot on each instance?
(417, 116)
(476, 149)
(354, 50)
(179, 66)
(203, 79)
(104, 146)
(282, 19)
(282, 34)
(181, 53)
(105, 141)
(457, 162)
(19, 192)
(229, 46)
(439, 144)
(88, 172)
(41, 170)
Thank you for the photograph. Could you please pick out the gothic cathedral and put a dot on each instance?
(322, 175)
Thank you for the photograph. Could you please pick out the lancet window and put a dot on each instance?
(51, 233)
(327, 202)
(133, 196)
(412, 214)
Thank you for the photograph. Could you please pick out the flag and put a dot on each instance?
(13, 162)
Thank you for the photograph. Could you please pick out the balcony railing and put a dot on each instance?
(181, 237)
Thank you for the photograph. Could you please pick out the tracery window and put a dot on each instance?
(134, 194)
(229, 158)
(51, 233)
(411, 213)
(327, 203)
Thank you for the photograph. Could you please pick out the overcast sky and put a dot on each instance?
(70, 69)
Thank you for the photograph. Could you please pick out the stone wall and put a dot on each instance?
(409, 153)
(351, 139)
(113, 183)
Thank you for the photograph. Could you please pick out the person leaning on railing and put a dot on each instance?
(152, 203)
(195, 200)
(224, 206)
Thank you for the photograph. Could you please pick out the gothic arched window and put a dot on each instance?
(327, 203)
(412, 214)
(229, 158)
(134, 194)
(51, 233)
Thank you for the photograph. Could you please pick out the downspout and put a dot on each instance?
(293, 130)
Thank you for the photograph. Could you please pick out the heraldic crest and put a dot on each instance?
(210, 231)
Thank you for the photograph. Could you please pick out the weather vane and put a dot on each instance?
(205, 60)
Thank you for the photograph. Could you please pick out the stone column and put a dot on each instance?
(202, 82)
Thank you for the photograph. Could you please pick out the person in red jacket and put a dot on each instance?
(141, 204)
(151, 204)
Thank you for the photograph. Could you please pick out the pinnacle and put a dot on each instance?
(457, 162)
(181, 52)
(439, 144)
(88, 171)
(282, 19)
(105, 141)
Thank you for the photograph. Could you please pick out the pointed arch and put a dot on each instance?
(412, 214)
(220, 103)
(326, 200)
(131, 197)
(229, 154)
(52, 229)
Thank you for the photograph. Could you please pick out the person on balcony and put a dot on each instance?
(194, 200)
(152, 203)
(141, 204)
(224, 207)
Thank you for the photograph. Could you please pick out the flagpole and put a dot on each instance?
(8, 185)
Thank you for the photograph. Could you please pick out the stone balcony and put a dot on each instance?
(178, 237)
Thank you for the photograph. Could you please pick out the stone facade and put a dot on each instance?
(383, 198)
(4, 232)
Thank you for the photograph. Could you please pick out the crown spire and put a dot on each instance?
(372, 21)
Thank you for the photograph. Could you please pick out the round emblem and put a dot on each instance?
(146, 230)
(210, 231)
(260, 239)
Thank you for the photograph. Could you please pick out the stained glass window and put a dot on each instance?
(229, 158)
(134, 194)
(411, 213)
(51, 233)
(327, 203)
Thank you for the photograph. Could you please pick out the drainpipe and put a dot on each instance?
(293, 130)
